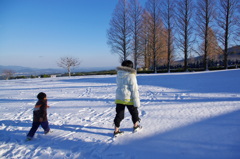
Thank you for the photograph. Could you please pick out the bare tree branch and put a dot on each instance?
(68, 63)
(136, 13)
(185, 9)
(168, 13)
(205, 18)
(227, 20)
(119, 31)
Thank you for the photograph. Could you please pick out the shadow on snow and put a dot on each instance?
(216, 137)
(212, 138)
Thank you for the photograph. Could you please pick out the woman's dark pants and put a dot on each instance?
(120, 108)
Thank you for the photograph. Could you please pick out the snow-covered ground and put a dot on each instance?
(184, 116)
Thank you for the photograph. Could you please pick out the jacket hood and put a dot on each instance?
(126, 69)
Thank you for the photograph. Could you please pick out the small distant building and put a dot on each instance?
(53, 76)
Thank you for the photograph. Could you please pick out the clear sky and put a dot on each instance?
(36, 33)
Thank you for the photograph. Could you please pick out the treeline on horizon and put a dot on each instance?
(156, 35)
(193, 67)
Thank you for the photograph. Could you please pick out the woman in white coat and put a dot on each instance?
(127, 95)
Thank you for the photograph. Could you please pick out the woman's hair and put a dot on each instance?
(127, 63)
(41, 96)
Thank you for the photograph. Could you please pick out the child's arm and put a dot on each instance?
(37, 106)
(47, 105)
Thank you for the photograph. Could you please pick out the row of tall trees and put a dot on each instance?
(156, 34)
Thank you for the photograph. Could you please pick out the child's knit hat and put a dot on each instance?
(41, 96)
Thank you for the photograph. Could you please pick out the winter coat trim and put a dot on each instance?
(127, 69)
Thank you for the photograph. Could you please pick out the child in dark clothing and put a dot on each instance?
(39, 116)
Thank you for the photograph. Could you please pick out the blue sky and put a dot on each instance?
(36, 33)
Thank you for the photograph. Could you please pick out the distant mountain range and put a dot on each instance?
(24, 71)
(234, 50)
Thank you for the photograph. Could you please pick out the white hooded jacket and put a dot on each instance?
(127, 87)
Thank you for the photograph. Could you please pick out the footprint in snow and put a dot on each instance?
(143, 113)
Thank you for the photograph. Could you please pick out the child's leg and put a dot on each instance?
(120, 115)
(33, 130)
(134, 113)
(45, 126)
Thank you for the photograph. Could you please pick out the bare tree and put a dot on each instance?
(136, 13)
(185, 10)
(168, 13)
(68, 63)
(119, 31)
(205, 17)
(237, 36)
(146, 39)
(227, 21)
(152, 7)
(8, 73)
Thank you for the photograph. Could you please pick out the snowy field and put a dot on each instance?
(184, 116)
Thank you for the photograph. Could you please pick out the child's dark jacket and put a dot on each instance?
(40, 112)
